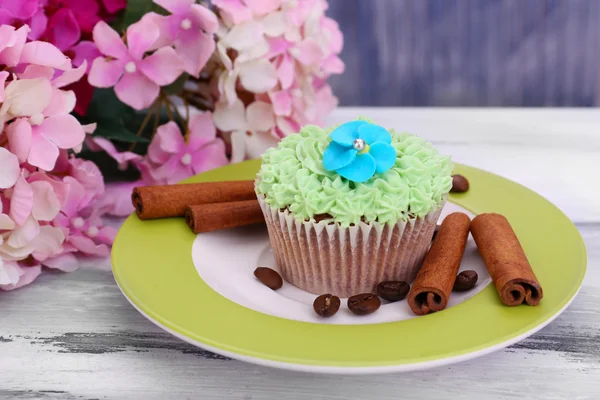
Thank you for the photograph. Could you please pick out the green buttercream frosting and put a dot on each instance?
(292, 176)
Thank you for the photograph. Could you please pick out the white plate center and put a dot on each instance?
(226, 261)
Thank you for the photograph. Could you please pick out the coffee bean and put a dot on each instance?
(393, 290)
(364, 303)
(326, 305)
(465, 281)
(460, 184)
(269, 277)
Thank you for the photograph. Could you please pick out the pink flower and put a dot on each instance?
(10, 170)
(189, 28)
(171, 158)
(14, 275)
(136, 79)
(122, 158)
(81, 223)
(237, 11)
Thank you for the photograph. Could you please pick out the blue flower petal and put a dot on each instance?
(384, 155)
(336, 156)
(360, 170)
(372, 133)
(345, 134)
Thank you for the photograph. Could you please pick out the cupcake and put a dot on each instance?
(349, 207)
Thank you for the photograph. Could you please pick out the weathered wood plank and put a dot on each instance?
(469, 52)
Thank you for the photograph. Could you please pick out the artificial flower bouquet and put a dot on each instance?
(150, 91)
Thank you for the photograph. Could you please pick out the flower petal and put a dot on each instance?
(360, 170)
(6, 223)
(108, 41)
(258, 76)
(285, 72)
(238, 146)
(27, 275)
(122, 158)
(105, 73)
(28, 97)
(244, 36)
(205, 17)
(48, 243)
(257, 143)
(45, 202)
(384, 155)
(336, 156)
(202, 130)
(262, 7)
(210, 156)
(70, 76)
(45, 54)
(20, 9)
(140, 36)
(88, 247)
(307, 52)
(23, 234)
(43, 153)
(345, 134)
(21, 202)
(11, 55)
(234, 9)
(167, 142)
(63, 29)
(63, 130)
(37, 24)
(85, 51)
(195, 52)
(116, 200)
(260, 117)
(9, 273)
(9, 174)
(372, 133)
(163, 66)
(106, 234)
(274, 24)
(230, 118)
(136, 90)
(282, 102)
(65, 262)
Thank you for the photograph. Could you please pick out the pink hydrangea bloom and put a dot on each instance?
(189, 29)
(171, 158)
(136, 78)
(280, 55)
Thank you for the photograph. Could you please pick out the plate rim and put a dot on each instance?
(348, 366)
(352, 370)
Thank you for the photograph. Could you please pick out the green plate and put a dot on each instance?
(153, 266)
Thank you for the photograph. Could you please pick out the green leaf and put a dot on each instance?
(177, 86)
(113, 130)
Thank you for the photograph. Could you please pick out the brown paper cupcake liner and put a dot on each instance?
(322, 257)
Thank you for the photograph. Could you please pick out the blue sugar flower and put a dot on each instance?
(358, 149)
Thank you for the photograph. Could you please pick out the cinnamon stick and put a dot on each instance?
(170, 200)
(210, 217)
(505, 260)
(432, 287)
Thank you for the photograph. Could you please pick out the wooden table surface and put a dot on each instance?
(74, 336)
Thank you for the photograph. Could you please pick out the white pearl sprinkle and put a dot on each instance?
(359, 144)
(77, 222)
(186, 159)
(36, 119)
(92, 232)
(186, 24)
(130, 67)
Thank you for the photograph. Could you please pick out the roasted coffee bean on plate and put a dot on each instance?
(364, 303)
(465, 281)
(269, 277)
(326, 305)
(393, 290)
(460, 184)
